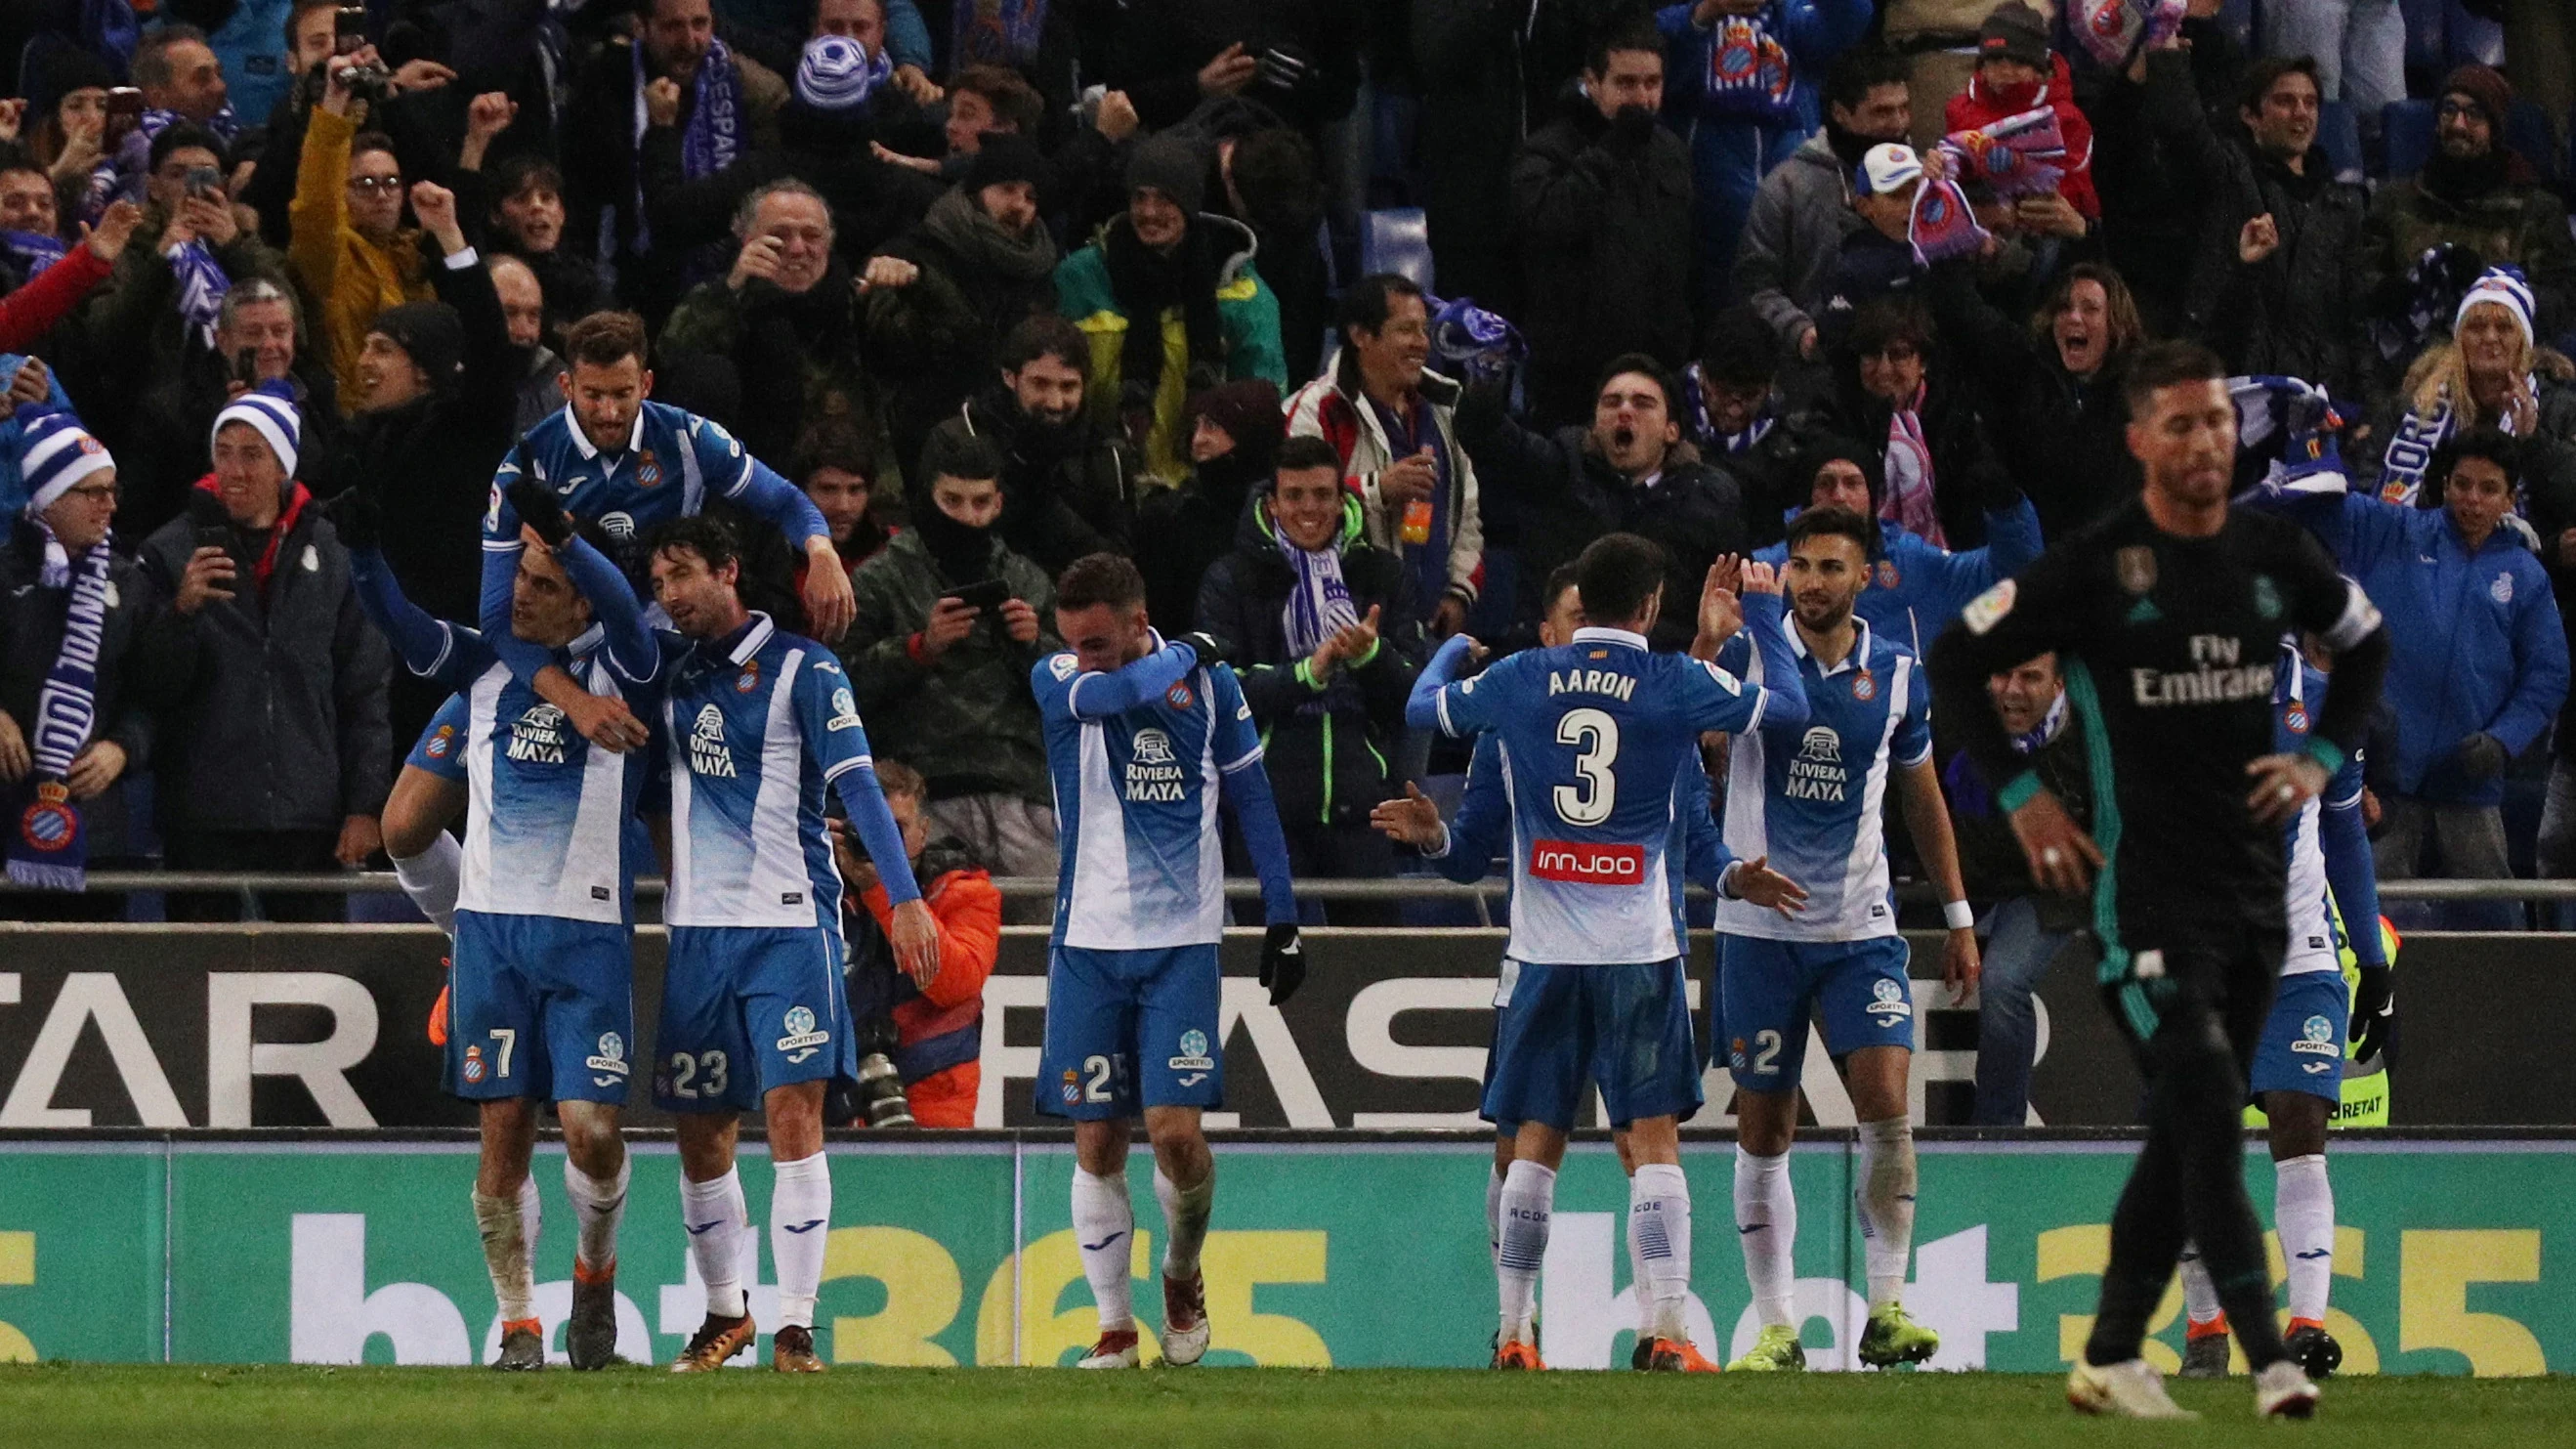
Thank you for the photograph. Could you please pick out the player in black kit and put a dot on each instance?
(2166, 617)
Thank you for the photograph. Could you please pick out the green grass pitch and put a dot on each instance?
(308, 1408)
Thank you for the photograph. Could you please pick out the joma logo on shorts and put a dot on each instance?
(1588, 864)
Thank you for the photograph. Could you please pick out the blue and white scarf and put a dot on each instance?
(712, 138)
(1319, 606)
(2418, 436)
(31, 252)
(202, 285)
(49, 849)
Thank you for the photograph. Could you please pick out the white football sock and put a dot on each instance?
(1886, 1198)
(714, 1214)
(1529, 1199)
(505, 1254)
(1185, 1221)
(800, 1222)
(2303, 1209)
(532, 1215)
(1640, 1287)
(431, 879)
(1494, 1214)
(2199, 1295)
(1766, 1224)
(1104, 1224)
(598, 1205)
(1659, 1227)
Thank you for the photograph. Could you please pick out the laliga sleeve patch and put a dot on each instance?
(1061, 666)
(1726, 681)
(1988, 609)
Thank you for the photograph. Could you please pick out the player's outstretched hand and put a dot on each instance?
(1721, 609)
(2282, 785)
(1413, 820)
(541, 509)
(1204, 645)
(916, 942)
(1759, 578)
(2062, 858)
(1283, 962)
(830, 603)
(1757, 882)
(1961, 966)
(2374, 1013)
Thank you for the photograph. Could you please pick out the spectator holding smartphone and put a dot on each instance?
(949, 623)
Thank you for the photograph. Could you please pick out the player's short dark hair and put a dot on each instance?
(709, 537)
(1739, 349)
(1648, 368)
(1371, 300)
(2160, 365)
(955, 450)
(2489, 442)
(1618, 573)
(1832, 522)
(604, 339)
(1303, 453)
(1100, 578)
(1046, 335)
(1559, 579)
(1625, 30)
(2266, 73)
(1861, 70)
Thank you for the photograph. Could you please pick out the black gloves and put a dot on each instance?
(2481, 756)
(1283, 963)
(2374, 1013)
(355, 517)
(1205, 646)
(541, 510)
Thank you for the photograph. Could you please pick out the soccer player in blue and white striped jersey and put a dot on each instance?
(1145, 739)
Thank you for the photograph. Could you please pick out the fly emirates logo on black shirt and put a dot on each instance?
(2217, 676)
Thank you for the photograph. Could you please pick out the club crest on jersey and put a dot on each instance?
(441, 742)
(2502, 589)
(707, 753)
(1818, 772)
(1579, 864)
(845, 712)
(749, 679)
(1194, 1053)
(1071, 1091)
(802, 1040)
(473, 1068)
(537, 737)
(1888, 577)
(1887, 1002)
(2317, 1036)
(1864, 686)
(2136, 566)
(648, 469)
(611, 1056)
(2295, 720)
(1154, 775)
(1179, 696)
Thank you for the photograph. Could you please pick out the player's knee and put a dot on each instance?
(2298, 1124)
(1766, 1122)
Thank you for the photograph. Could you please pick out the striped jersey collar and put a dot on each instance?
(1595, 635)
(754, 634)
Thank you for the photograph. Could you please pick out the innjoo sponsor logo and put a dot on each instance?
(1588, 864)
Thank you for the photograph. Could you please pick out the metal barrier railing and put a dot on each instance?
(1397, 888)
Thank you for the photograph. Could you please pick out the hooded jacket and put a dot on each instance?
(1333, 408)
(1569, 495)
(277, 713)
(1982, 104)
(964, 718)
(1801, 213)
(2475, 641)
(1247, 316)
(1326, 745)
(939, 1029)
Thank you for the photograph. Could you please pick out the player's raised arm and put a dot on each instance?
(427, 646)
(830, 604)
(2343, 837)
(1098, 695)
(1423, 708)
(632, 650)
(828, 717)
(1779, 702)
(501, 549)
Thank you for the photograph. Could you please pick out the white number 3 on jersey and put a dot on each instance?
(1595, 792)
